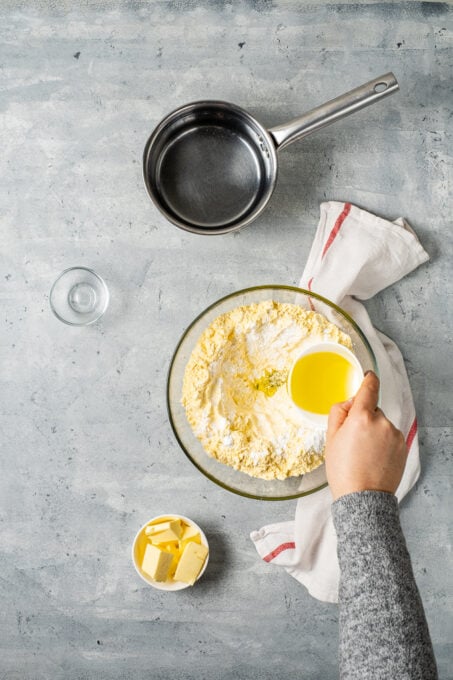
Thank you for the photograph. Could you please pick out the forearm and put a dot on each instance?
(383, 630)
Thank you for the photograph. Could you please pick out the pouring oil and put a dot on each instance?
(321, 379)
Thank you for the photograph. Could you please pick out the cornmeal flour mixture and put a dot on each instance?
(235, 395)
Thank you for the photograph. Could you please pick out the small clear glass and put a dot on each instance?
(79, 296)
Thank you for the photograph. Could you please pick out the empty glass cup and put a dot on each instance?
(79, 296)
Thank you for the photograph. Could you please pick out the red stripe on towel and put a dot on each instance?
(411, 435)
(336, 228)
(279, 549)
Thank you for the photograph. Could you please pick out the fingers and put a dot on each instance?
(368, 395)
(337, 416)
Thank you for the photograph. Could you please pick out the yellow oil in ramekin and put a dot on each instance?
(320, 379)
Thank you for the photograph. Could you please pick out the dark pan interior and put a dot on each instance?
(210, 167)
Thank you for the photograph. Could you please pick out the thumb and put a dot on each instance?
(337, 415)
(368, 395)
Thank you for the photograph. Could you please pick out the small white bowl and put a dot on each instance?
(170, 584)
(318, 419)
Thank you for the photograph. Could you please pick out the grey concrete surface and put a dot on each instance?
(87, 451)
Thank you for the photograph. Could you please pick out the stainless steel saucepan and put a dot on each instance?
(211, 168)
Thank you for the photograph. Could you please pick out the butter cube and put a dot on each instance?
(191, 562)
(156, 563)
(190, 535)
(172, 549)
(189, 532)
(173, 525)
(164, 537)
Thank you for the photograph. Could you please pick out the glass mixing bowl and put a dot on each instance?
(224, 475)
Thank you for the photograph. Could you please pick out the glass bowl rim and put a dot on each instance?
(294, 289)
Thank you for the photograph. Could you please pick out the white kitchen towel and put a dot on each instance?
(354, 255)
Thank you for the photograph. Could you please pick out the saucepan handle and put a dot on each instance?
(337, 108)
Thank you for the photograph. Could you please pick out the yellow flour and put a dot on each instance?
(235, 395)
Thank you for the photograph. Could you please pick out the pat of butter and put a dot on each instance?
(189, 532)
(174, 550)
(191, 536)
(156, 563)
(173, 525)
(164, 537)
(191, 562)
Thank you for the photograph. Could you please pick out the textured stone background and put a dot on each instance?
(87, 451)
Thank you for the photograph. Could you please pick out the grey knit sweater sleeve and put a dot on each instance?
(383, 630)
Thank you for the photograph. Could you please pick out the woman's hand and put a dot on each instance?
(364, 451)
